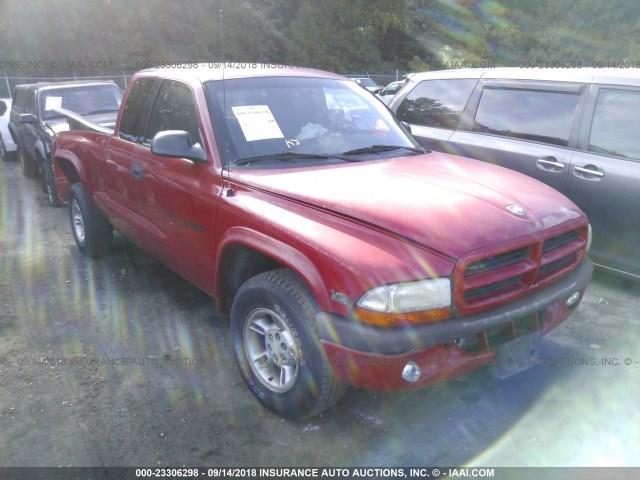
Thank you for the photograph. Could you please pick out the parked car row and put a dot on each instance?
(39, 111)
(341, 251)
(575, 130)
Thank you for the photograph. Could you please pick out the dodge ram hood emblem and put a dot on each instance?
(516, 209)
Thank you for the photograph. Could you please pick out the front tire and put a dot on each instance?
(277, 346)
(91, 231)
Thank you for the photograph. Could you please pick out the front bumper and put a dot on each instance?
(373, 358)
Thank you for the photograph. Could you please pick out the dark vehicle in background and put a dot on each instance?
(38, 113)
(7, 146)
(574, 129)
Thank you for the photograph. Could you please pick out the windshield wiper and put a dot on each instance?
(380, 149)
(281, 157)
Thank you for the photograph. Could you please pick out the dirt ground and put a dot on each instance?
(120, 362)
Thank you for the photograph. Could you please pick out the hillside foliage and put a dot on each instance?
(348, 36)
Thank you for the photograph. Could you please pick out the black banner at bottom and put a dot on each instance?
(286, 473)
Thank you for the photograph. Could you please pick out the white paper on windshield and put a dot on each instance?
(52, 102)
(257, 122)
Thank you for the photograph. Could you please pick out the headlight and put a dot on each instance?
(419, 302)
(589, 238)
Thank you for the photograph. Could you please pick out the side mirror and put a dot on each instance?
(177, 143)
(29, 118)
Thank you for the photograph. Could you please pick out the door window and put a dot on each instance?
(132, 113)
(537, 115)
(174, 109)
(436, 103)
(615, 129)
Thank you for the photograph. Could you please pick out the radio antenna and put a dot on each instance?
(221, 40)
(225, 158)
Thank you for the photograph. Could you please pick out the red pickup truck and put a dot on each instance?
(343, 253)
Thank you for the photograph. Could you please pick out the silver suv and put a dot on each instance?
(576, 130)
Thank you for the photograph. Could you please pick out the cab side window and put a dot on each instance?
(537, 115)
(174, 109)
(133, 111)
(614, 130)
(436, 103)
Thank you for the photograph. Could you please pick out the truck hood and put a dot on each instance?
(446, 203)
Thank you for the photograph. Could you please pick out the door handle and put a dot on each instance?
(589, 170)
(550, 162)
(137, 171)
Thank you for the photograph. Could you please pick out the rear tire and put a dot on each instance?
(43, 175)
(91, 231)
(278, 348)
(28, 165)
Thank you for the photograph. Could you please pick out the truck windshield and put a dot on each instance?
(318, 118)
(83, 100)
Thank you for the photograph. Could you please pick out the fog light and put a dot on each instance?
(411, 372)
(573, 300)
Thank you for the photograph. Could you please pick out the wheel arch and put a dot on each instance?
(244, 253)
(67, 170)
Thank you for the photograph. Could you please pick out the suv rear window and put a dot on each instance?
(436, 103)
(540, 116)
(614, 130)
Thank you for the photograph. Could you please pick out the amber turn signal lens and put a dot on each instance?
(382, 319)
